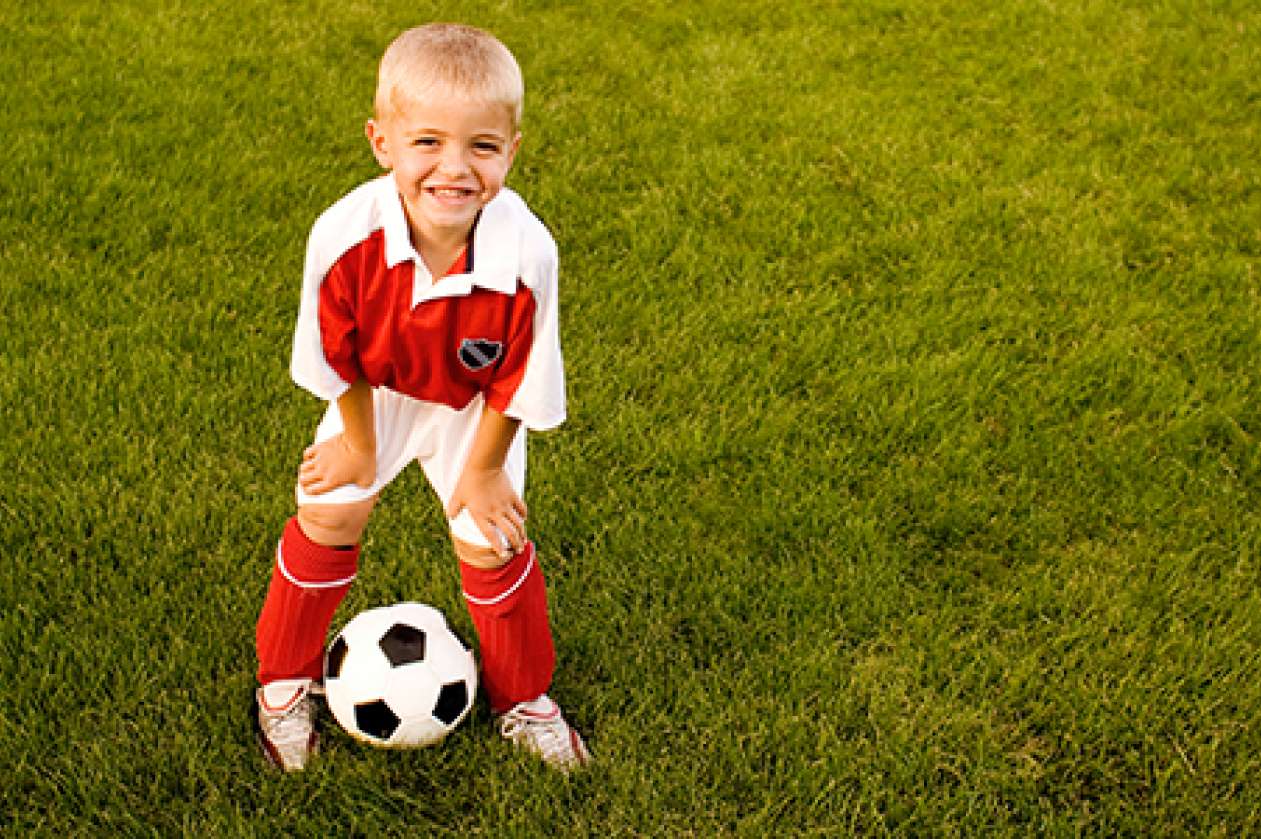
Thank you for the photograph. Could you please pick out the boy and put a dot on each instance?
(428, 320)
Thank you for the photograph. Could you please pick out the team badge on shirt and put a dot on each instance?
(479, 353)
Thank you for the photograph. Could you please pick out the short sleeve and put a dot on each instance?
(328, 378)
(538, 400)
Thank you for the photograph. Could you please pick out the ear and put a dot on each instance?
(376, 139)
(512, 149)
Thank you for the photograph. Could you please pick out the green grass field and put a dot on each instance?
(911, 484)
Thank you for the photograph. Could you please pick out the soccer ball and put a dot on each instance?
(398, 676)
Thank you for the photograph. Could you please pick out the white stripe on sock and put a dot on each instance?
(280, 563)
(499, 598)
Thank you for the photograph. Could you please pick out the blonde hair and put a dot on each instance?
(449, 58)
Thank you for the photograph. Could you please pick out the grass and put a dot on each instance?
(911, 484)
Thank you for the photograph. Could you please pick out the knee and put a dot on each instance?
(335, 524)
(478, 556)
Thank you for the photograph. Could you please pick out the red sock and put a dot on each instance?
(307, 584)
(509, 609)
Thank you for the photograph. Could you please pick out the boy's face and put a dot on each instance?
(449, 157)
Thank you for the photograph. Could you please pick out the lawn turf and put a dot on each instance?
(911, 481)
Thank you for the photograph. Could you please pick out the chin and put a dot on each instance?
(453, 221)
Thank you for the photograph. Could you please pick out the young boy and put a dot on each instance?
(428, 320)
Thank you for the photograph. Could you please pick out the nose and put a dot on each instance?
(453, 161)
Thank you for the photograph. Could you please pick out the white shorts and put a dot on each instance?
(435, 436)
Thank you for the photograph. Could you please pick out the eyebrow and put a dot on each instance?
(477, 135)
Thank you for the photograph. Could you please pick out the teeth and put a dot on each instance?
(451, 192)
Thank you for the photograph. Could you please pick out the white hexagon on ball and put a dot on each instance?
(398, 676)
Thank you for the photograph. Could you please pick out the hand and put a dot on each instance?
(495, 507)
(333, 463)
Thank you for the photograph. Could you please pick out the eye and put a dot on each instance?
(486, 147)
(426, 142)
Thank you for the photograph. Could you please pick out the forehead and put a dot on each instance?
(449, 112)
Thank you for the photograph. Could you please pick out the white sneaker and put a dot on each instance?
(286, 723)
(539, 727)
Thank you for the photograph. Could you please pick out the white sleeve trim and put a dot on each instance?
(337, 230)
(539, 401)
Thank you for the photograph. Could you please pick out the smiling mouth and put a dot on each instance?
(450, 192)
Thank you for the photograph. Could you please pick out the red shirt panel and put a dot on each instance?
(445, 350)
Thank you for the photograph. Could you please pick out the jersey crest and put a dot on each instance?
(479, 353)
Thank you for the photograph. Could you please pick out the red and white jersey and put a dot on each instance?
(370, 309)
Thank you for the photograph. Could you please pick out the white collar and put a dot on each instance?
(496, 247)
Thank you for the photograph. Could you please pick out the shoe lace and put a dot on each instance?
(548, 737)
(293, 723)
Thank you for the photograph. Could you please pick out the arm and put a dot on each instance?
(484, 487)
(349, 457)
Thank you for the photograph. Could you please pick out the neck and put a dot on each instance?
(438, 247)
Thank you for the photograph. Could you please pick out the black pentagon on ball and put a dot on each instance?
(336, 655)
(452, 700)
(403, 644)
(376, 719)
